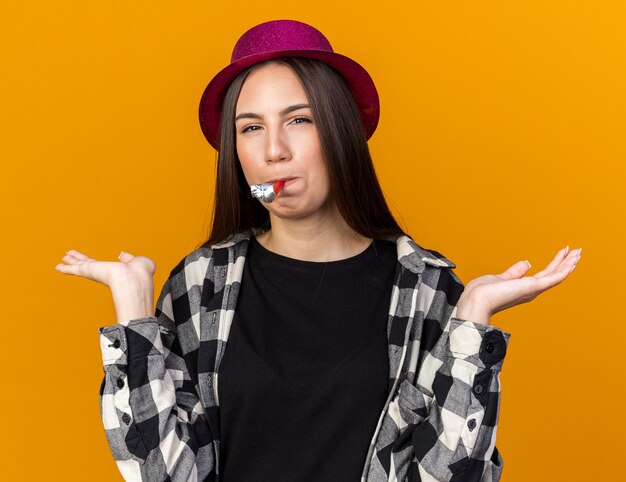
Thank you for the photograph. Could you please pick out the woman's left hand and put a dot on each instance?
(489, 294)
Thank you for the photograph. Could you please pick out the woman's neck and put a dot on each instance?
(327, 238)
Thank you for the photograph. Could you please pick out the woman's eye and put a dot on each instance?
(297, 120)
(304, 119)
(248, 128)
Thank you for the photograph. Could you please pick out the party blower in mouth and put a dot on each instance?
(267, 192)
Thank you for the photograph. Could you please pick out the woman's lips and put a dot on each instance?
(279, 184)
(286, 179)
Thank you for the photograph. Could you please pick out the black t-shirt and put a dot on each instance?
(304, 376)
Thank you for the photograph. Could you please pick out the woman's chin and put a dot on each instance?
(295, 208)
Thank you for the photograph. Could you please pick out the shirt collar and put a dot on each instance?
(413, 257)
(410, 254)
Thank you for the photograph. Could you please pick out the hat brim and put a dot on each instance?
(357, 78)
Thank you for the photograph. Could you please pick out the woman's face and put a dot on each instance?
(277, 139)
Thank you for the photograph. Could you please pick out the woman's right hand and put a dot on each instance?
(130, 281)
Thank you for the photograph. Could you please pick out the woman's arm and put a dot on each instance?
(455, 400)
(154, 421)
(462, 423)
(155, 424)
(451, 404)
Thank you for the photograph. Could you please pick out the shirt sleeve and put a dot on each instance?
(154, 421)
(460, 387)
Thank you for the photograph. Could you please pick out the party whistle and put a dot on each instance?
(266, 192)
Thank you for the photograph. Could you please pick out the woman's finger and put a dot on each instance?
(558, 259)
(94, 270)
(73, 258)
(125, 257)
(77, 269)
(515, 271)
(572, 257)
(78, 255)
(536, 285)
(552, 279)
(69, 259)
(570, 264)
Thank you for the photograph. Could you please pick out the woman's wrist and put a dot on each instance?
(133, 300)
(472, 311)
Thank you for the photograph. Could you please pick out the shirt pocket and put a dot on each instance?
(413, 405)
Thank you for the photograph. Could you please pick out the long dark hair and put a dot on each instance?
(353, 183)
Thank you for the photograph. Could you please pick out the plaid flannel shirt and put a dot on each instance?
(158, 398)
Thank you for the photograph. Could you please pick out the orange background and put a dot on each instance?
(502, 137)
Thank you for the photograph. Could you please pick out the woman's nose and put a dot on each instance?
(276, 146)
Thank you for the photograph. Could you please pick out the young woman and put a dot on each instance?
(309, 338)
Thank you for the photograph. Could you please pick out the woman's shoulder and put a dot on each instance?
(436, 269)
(194, 265)
(415, 253)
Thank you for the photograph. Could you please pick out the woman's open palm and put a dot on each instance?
(486, 295)
(138, 268)
(130, 280)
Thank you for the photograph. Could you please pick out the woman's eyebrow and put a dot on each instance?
(285, 111)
